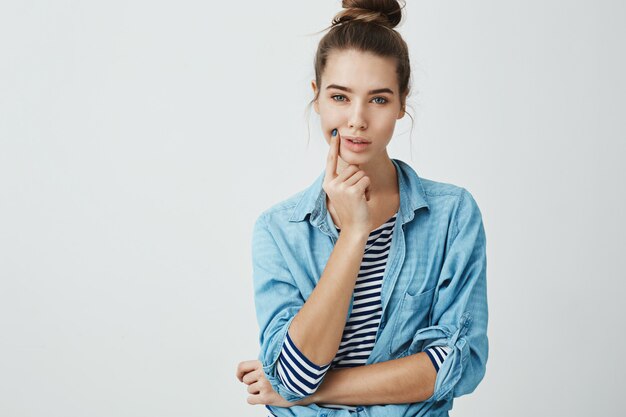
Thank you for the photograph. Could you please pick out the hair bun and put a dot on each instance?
(383, 12)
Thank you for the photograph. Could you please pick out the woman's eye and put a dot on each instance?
(336, 96)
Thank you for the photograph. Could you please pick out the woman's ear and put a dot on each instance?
(315, 104)
(403, 106)
(402, 111)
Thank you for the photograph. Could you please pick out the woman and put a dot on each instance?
(370, 285)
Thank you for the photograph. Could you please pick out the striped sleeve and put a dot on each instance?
(296, 371)
(437, 355)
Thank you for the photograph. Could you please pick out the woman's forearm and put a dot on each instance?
(406, 380)
(318, 327)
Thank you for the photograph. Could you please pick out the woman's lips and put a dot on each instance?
(355, 147)
(357, 138)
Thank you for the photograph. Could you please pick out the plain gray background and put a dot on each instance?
(139, 141)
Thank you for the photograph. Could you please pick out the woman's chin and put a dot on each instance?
(354, 159)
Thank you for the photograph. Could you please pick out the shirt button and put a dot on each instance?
(323, 415)
(359, 409)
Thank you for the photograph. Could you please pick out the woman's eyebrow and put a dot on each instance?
(349, 90)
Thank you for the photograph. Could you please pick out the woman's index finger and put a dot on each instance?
(331, 160)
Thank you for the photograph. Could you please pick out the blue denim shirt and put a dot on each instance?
(434, 290)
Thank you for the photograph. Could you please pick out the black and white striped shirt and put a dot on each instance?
(303, 376)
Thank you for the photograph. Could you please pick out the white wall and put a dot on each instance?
(139, 140)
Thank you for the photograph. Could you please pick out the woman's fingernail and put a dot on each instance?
(334, 132)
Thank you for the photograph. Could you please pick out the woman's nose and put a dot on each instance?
(357, 118)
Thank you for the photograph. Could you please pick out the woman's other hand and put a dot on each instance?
(251, 373)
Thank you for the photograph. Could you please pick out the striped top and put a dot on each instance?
(301, 375)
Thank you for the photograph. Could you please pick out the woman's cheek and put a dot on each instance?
(328, 125)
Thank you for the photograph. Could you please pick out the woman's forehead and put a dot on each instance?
(359, 71)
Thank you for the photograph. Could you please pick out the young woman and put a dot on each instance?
(370, 284)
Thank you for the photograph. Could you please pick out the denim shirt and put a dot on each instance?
(434, 290)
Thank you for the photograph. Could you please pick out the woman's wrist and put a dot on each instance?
(356, 235)
(311, 399)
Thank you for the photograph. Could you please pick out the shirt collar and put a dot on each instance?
(313, 200)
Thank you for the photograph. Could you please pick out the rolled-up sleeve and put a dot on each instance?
(459, 313)
(277, 300)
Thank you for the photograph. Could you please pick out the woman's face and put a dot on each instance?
(359, 97)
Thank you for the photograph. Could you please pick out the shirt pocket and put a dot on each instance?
(412, 314)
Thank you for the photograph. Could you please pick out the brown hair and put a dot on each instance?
(366, 26)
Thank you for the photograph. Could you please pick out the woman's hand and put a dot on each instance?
(251, 373)
(348, 191)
